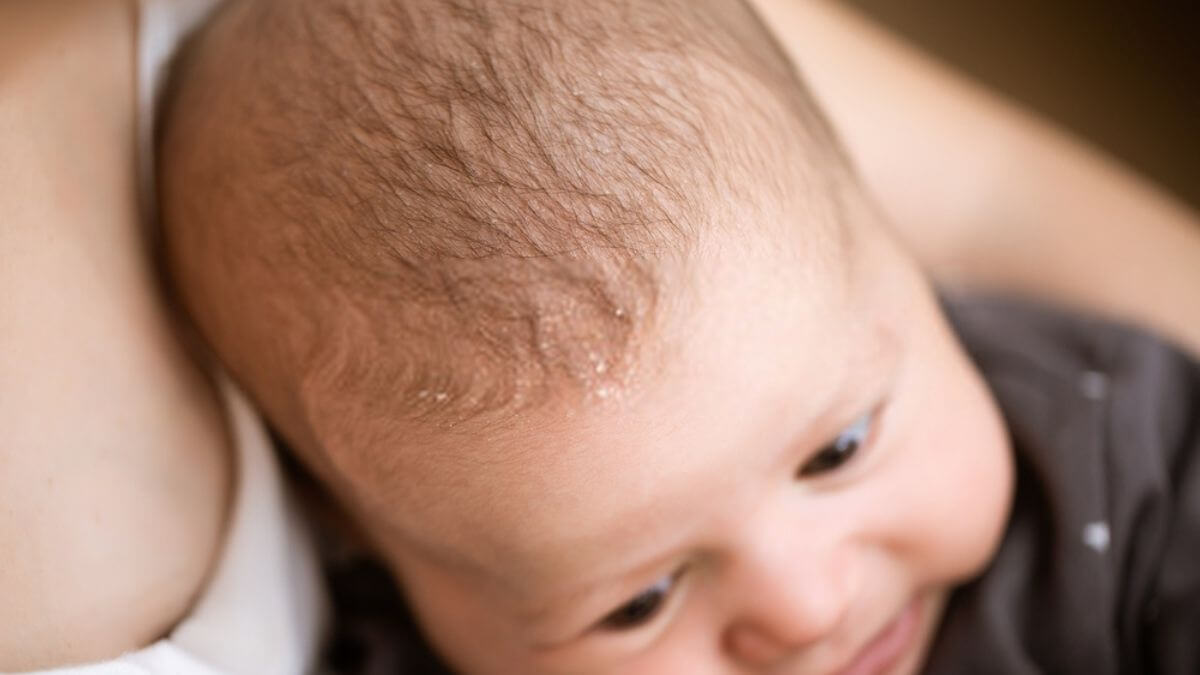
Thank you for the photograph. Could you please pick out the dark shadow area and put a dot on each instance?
(1125, 76)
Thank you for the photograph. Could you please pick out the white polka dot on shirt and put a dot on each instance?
(1093, 384)
(1096, 536)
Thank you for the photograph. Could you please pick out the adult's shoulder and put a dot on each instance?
(113, 460)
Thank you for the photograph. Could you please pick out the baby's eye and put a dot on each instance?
(840, 450)
(642, 608)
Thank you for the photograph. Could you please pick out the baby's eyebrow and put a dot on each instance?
(613, 588)
(641, 566)
(626, 578)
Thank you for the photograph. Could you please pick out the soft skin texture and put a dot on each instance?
(114, 470)
(696, 470)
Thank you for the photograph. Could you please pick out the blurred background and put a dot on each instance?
(1123, 75)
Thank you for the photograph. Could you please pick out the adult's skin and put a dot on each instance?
(986, 195)
(114, 471)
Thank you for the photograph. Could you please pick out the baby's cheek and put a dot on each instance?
(975, 490)
(974, 530)
(951, 487)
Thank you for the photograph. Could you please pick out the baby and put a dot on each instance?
(579, 311)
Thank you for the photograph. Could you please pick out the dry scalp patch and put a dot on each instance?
(442, 212)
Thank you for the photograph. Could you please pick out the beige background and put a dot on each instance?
(1124, 75)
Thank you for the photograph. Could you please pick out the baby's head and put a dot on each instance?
(579, 311)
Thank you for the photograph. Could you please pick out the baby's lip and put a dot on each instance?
(888, 644)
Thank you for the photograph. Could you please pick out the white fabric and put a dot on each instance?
(262, 612)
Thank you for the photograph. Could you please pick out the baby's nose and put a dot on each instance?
(786, 605)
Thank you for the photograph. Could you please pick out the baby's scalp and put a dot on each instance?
(448, 206)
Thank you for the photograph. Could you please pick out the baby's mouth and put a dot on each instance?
(890, 644)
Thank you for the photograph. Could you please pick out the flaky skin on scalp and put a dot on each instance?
(440, 208)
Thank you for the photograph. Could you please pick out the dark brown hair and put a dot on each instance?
(442, 206)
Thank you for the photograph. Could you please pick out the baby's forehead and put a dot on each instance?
(502, 491)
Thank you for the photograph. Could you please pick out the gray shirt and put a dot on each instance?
(1099, 570)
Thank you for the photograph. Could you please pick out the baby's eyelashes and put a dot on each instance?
(643, 607)
(841, 449)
